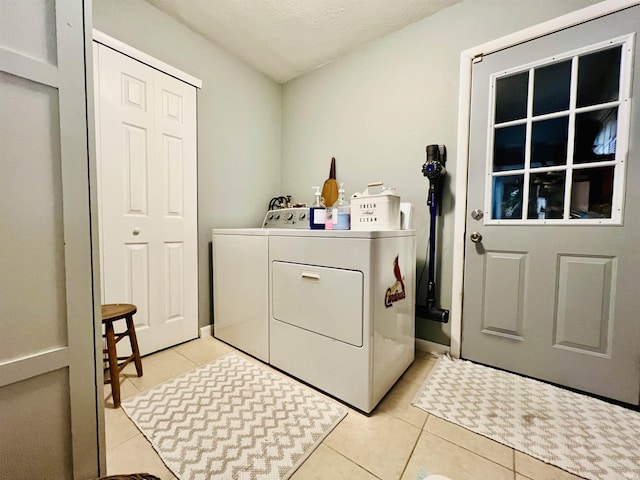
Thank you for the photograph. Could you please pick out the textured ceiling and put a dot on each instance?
(286, 38)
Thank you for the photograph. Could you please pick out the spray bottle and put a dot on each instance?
(317, 212)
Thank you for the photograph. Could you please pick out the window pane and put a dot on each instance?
(549, 140)
(546, 195)
(592, 192)
(507, 197)
(599, 77)
(596, 134)
(551, 88)
(508, 148)
(511, 97)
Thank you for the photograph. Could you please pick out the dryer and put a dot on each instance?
(342, 309)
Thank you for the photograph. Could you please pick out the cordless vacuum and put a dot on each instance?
(434, 170)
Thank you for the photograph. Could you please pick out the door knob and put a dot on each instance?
(136, 231)
(477, 214)
(476, 237)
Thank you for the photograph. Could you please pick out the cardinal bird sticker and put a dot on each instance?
(396, 291)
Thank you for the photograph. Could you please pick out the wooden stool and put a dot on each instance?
(110, 313)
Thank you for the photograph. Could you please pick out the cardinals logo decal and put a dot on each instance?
(396, 291)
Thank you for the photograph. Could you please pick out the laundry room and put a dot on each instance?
(393, 108)
(488, 297)
(374, 109)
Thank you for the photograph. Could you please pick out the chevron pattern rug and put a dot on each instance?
(233, 419)
(577, 433)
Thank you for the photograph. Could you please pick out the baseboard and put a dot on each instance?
(432, 347)
(206, 331)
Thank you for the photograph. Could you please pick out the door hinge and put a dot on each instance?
(477, 58)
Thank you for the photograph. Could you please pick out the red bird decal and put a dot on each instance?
(398, 273)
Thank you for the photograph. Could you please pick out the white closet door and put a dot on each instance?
(147, 150)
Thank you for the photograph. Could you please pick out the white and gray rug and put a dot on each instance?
(233, 419)
(577, 433)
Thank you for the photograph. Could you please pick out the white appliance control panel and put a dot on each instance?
(287, 218)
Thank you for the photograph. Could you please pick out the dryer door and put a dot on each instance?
(326, 301)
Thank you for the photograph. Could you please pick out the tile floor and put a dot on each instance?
(398, 441)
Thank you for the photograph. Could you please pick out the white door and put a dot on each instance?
(146, 124)
(553, 211)
(48, 391)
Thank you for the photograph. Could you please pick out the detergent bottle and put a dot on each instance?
(317, 212)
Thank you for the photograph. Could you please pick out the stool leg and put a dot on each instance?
(114, 374)
(134, 345)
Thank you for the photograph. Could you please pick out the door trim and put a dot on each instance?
(467, 58)
(142, 57)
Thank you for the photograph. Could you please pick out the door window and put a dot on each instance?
(558, 138)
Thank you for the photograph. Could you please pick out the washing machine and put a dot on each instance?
(333, 308)
(240, 289)
(240, 258)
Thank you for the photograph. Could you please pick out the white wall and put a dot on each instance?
(239, 129)
(376, 109)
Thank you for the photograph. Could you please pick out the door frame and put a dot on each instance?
(142, 57)
(467, 58)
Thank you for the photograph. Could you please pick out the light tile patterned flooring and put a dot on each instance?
(397, 441)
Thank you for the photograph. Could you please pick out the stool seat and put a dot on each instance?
(116, 311)
(111, 313)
